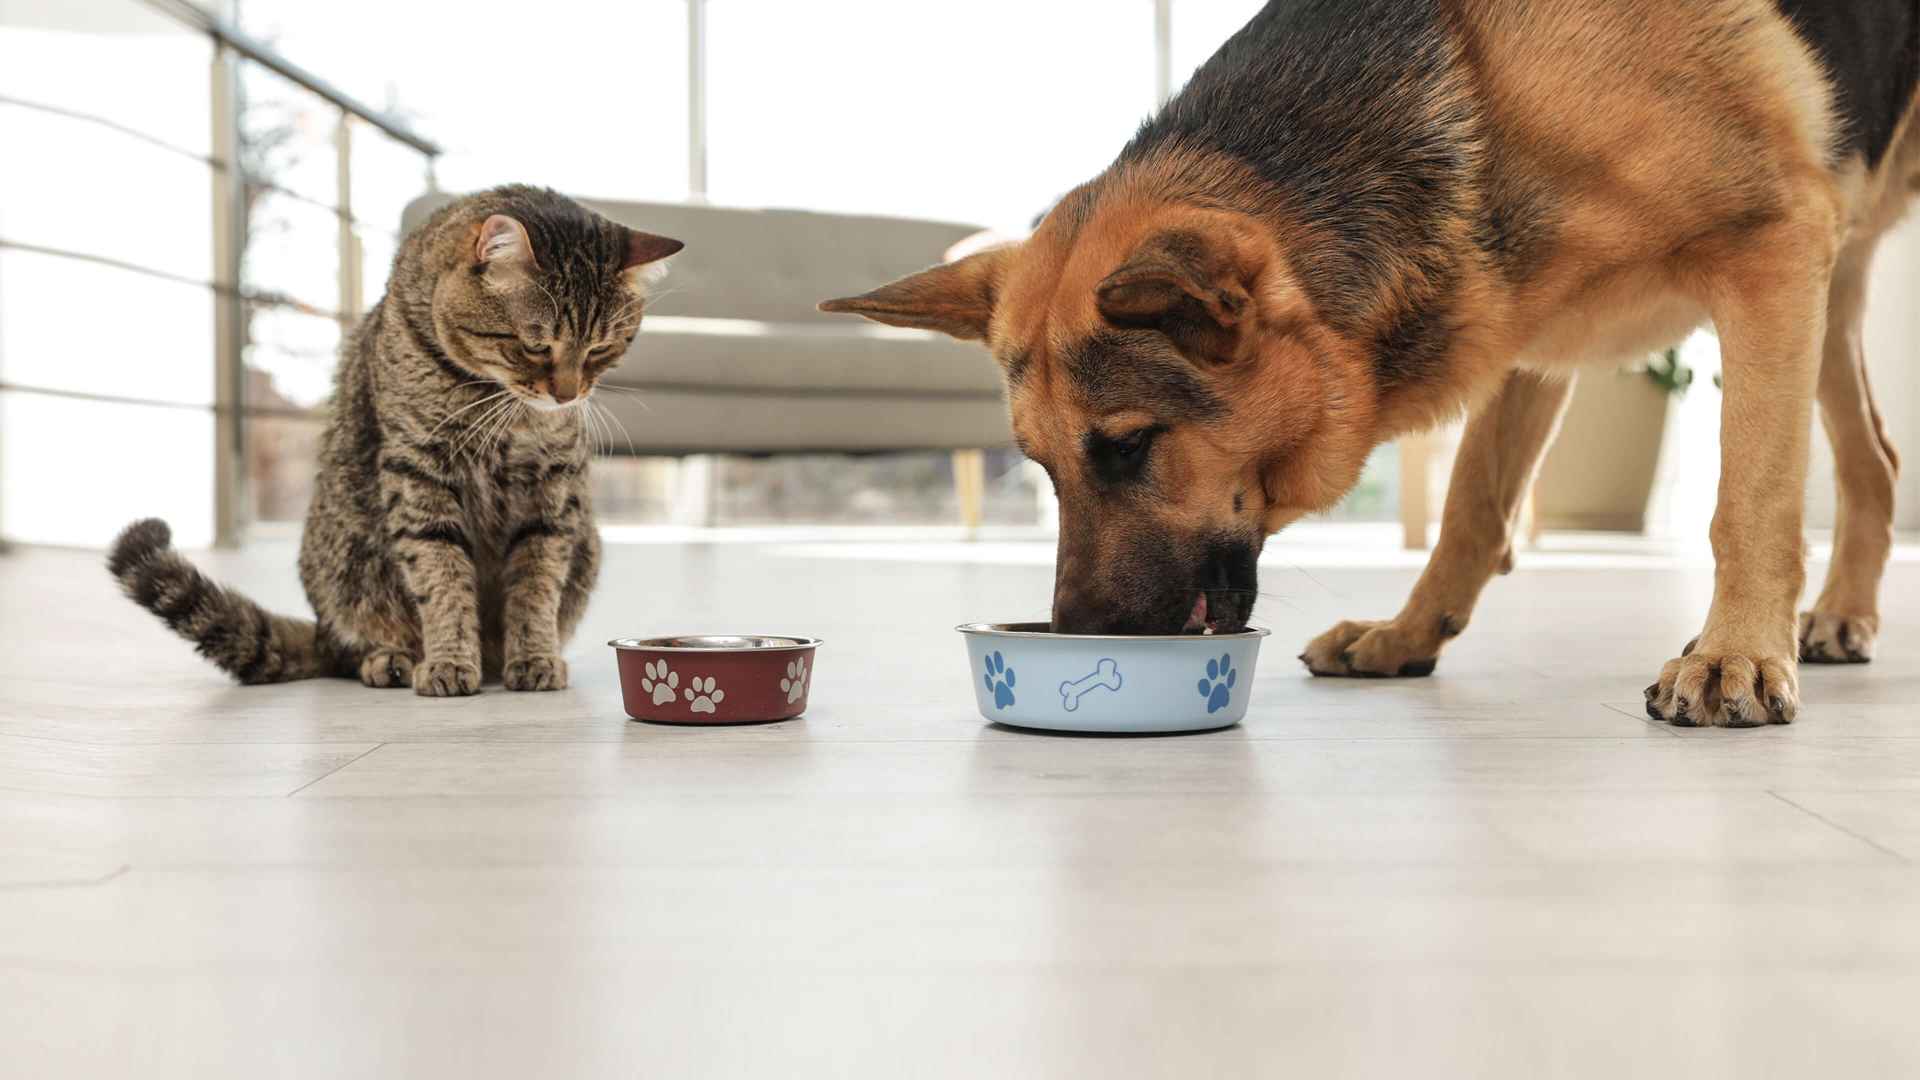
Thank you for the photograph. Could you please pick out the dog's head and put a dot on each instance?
(1166, 370)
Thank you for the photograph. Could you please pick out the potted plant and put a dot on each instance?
(1599, 475)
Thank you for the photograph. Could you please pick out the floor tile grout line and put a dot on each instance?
(787, 796)
(1250, 732)
(331, 771)
(1832, 824)
(69, 883)
(1249, 739)
(1665, 729)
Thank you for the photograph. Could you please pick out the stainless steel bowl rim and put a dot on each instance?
(717, 643)
(1026, 630)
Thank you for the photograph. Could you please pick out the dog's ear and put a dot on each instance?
(1186, 286)
(956, 299)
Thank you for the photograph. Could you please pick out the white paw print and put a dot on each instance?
(703, 695)
(659, 682)
(795, 683)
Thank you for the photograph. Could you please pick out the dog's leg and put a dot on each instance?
(1842, 625)
(1768, 299)
(1500, 452)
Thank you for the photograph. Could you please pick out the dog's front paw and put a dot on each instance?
(1725, 688)
(1372, 650)
(446, 678)
(1827, 638)
(536, 673)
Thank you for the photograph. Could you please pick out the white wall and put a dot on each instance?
(1893, 363)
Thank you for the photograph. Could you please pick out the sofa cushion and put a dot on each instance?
(733, 354)
(769, 265)
(665, 420)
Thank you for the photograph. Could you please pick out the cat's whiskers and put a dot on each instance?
(606, 430)
(590, 433)
(487, 419)
(473, 430)
(631, 392)
(651, 299)
(501, 428)
(480, 426)
(631, 312)
(583, 424)
(604, 441)
(464, 408)
(643, 301)
(504, 431)
(609, 415)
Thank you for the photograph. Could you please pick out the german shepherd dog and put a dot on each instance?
(1362, 217)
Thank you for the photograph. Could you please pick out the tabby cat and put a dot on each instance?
(451, 538)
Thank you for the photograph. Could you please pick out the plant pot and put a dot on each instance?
(1599, 474)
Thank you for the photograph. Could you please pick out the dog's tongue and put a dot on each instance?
(1197, 619)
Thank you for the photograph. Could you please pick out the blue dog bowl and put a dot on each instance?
(1027, 677)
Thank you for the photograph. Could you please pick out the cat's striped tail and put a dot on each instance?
(243, 638)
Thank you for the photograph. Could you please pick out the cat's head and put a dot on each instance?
(543, 296)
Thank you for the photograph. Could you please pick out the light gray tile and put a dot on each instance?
(1888, 819)
(1500, 870)
(57, 767)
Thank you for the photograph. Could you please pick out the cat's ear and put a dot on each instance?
(956, 299)
(644, 248)
(503, 242)
(644, 253)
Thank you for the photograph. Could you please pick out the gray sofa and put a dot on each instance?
(733, 358)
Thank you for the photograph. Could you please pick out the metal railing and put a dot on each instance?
(231, 189)
(229, 38)
(231, 49)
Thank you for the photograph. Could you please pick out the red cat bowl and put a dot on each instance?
(715, 679)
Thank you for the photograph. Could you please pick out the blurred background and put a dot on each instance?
(198, 199)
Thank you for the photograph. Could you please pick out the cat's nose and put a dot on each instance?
(564, 394)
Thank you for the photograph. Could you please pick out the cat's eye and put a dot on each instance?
(536, 350)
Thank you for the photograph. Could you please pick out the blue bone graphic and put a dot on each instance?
(1106, 675)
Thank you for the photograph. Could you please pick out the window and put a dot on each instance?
(580, 95)
(980, 112)
(106, 358)
(1200, 27)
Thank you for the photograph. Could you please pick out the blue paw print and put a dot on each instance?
(1217, 687)
(1000, 680)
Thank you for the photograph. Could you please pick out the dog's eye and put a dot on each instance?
(1118, 458)
(1128, 446)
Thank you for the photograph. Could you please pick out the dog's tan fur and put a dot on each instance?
(1686, 151)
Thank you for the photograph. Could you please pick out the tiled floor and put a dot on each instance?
(1504, 870)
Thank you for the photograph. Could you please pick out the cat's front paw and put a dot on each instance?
(536, 673)
(383, 668)
(446, 678)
